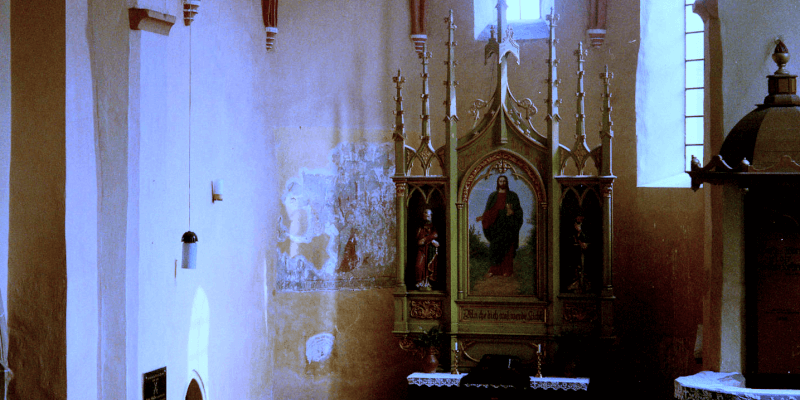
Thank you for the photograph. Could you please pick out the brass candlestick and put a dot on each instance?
(539, 361)
(456, 353)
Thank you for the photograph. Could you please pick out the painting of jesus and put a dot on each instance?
(502, 237)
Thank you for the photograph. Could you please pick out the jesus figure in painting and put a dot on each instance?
(501, 221)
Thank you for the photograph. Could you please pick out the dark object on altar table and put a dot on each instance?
(427, 344)
(496, 371)
(429, 360)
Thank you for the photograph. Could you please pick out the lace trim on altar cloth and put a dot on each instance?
(489, 385)
(451, 380)
(435, 379)
(556, 383)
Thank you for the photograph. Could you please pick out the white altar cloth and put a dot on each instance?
(439, 379)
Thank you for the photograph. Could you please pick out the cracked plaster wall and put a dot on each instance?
(337, 226)
(335, 256)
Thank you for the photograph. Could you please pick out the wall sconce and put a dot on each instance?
(189, 240)
(269, 10)
(216, 190)
(190, 10)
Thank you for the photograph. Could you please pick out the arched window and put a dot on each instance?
(669, 93)
(525, 17)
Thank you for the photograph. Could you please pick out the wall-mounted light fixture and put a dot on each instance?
(189, 240)
(190, 9)
(216, 190)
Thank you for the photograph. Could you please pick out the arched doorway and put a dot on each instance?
(194, 392)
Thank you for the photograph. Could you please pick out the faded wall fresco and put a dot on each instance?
(337, 229)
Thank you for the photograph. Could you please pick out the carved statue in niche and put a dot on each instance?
(427, 251)
(426, 239)
(581, 282)
(502, 241)
(580, 233)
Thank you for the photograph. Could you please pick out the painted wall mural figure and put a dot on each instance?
(427, 251)
(334, 232)
(501, 221)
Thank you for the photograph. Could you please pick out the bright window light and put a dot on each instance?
(670, 92)
(519, 10)
(525, 17)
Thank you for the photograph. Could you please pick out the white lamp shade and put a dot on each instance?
(189, 240)
(189, 256)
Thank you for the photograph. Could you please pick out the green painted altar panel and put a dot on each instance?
(498, 217)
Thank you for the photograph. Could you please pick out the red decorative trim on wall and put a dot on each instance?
(597, 22)
(269, 11)
(419, 30)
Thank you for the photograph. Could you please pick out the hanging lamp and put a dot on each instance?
(189, 238)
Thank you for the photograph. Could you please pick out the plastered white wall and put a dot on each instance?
(202, 116)
(659, 130)
(748, 33)
(126, 203)
(81, 211)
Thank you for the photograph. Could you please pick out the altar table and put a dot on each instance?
(435, 385)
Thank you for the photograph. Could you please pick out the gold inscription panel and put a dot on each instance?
(520, 315)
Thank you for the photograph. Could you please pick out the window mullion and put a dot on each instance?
(693, 94)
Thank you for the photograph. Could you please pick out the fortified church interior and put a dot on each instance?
(286, 200)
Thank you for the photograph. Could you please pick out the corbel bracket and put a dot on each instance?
(150, 21)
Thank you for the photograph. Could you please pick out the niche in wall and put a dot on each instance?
(196, 389)
(194, 392)
(581, 236)
(422, 197)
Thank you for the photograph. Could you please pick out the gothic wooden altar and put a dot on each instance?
(504, 234)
